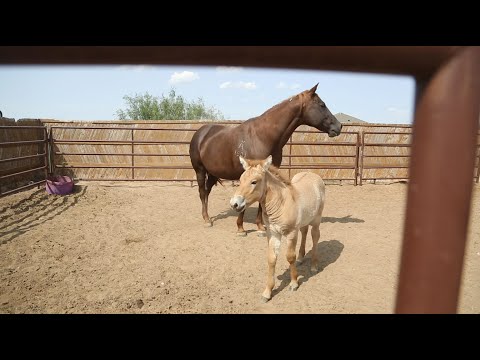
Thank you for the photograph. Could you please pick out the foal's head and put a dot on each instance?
(252, 183)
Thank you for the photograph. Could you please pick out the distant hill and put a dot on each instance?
(345, 118)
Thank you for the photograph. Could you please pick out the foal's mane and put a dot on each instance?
(273, 170)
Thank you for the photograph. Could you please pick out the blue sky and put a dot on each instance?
(96, 92)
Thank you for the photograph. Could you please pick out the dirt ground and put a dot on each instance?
(142, 248)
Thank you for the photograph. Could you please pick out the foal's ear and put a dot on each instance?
(244, 163)
(267, 163)
(313, 89)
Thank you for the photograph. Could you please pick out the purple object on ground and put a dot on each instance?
(59, 185)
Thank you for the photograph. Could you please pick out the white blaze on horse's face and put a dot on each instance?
(252, 184)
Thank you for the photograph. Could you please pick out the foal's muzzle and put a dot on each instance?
(238, 203)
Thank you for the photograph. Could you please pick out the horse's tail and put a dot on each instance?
(217, 180)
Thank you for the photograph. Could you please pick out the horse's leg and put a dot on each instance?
(301, 251)
(315, 237)
(211, 180)
(291, 244)
(273, 250)
(240, 230)
(201, 174)
(259, 222)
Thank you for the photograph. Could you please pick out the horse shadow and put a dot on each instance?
(249, 217)
(35, 210)
(343, 220)
(327, 251)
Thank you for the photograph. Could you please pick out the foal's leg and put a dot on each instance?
(272, 251)
(201, 175)
(259, 222)
(301, 251)
(315, 237)
(291, 244)
(240, 230)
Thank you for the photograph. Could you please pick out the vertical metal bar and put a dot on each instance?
(290, 157)
(46, 151)
(438, 204)
(478, 165)
(133, 158)
(52, 152)
(361, 158)
(357, 153)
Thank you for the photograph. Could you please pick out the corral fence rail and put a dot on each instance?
(21, 157)
(130, 144)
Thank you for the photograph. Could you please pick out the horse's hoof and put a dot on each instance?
(265, 299)
(261, 233)
(208, 224)
(299, 261)
(293, 287)
(241, 233)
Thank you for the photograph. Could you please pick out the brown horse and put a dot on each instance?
(215, 149)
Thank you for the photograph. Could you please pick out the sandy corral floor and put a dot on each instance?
(142, 248)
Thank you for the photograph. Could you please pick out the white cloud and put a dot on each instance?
(283, 85)
(228, 69)
(136, 68)
(183, 77)
(238, 85)
(397, 110)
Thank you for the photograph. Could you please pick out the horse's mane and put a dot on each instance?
(284, 102)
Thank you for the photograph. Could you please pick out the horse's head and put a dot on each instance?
(252, 183)
(315, 113)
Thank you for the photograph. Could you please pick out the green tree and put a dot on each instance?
(171, 107)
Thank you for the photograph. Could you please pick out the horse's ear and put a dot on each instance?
(244, 163)
(267, 163)
(313, 89)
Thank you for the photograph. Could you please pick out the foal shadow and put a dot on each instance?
(327, 251)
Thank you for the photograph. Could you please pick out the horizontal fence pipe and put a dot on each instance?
(24, 142)
(387, 145)
(119, 128)
(22, 158)
(21, 172)
(373, 156)
(123, 167)
(21, 127)
(336, 143)
(293, 167)
(386, 133)
(120, 142)
(386, 167)
(22, 188)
